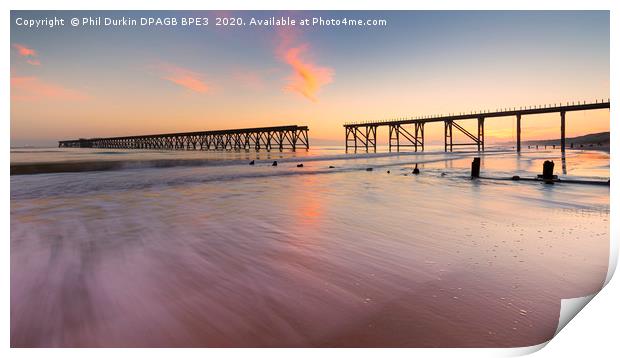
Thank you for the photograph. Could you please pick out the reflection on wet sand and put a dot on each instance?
(564, 163)
(209, 258)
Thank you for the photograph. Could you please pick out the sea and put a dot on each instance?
(144, 248)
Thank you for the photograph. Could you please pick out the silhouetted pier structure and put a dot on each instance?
(410, 131)
(268, 138)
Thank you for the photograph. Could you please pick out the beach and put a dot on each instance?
(200, 249)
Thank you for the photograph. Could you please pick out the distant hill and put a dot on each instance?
(594, 139)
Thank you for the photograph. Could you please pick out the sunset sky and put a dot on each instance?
(69, 82)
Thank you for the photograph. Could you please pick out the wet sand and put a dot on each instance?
(204, 257)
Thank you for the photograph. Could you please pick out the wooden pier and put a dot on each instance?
(410, 132)
(267, 138)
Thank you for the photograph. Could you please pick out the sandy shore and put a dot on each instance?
(213, 257)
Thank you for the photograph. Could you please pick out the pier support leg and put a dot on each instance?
(519, 133)
(447, 135)
(481, 134)
(394, 136)
(419, 128)
(563, 130)
(450, 133)
(296, 136)
(370, 137)
(374, 138)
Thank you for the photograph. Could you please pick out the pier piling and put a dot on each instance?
(518, 132)
(563, 130)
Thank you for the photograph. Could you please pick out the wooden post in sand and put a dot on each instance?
(475, 168)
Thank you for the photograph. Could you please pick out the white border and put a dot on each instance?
(593, 330)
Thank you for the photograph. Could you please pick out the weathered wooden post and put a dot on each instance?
(475, 168)
(548, 169)
(547, 174)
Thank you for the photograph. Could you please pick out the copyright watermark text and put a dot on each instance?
(203, 22)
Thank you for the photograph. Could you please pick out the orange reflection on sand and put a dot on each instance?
(310, 210)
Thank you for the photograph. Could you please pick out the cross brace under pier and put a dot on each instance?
(415, 139)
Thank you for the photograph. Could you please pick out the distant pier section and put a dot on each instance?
(281, 138)
(409, 132)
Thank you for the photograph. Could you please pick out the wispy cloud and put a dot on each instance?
(25, 51)
(30, 88)
(183, 77)
(28, 53)
(307, 78)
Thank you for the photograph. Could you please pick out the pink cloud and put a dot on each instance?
(307, 78)
(30, 54)
(183, 77)
(25, 51)
(33, 89)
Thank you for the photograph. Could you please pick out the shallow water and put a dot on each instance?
(225, 254)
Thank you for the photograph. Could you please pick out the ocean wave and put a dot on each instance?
(71, 166)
